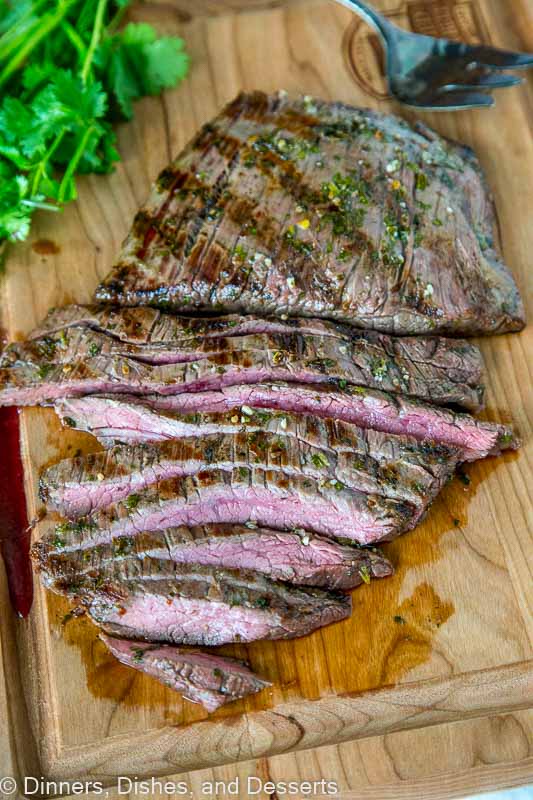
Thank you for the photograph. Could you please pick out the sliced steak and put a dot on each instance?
(79, 486)
(316, 209)
(270, 499)
(300, 558)
(164, 417)
(203, 678)
(161, 601)
(82, 361)
(146, 326)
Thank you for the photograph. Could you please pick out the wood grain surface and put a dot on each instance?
(463, 580)
(447, 761)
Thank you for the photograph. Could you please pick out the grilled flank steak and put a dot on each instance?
(266, 497)
(315, 209)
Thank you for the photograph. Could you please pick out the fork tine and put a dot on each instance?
(457, 99)
(485, 83)
(500, 59)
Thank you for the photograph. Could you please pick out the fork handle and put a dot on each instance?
(377, 21)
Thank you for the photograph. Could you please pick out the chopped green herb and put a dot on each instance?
(239, 253)
(399, 620)
(421, 181)
(138, 654)
(94, 349)
(364, 573)
(320, 460)
(132, 501)
(378, 368)
(44, 370)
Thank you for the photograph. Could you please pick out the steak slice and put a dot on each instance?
(443, 370)
(79, 486)
(371, 409)
(146, 326)
(160, 601)
(308, 208)
(300, 558)
(84, 361)
(204, 678)
(270, 499)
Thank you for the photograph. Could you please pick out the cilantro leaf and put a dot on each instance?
(135, 63)
(34, 75)
(166, 63)
(69, 73)
(15, 216)
(15, 119)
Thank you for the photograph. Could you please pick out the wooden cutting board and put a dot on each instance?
(463, 578)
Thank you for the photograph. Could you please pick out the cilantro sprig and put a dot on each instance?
(67, 73)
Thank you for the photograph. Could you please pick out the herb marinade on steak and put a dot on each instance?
(308, 208)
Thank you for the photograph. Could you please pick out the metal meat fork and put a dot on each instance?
(439, 74)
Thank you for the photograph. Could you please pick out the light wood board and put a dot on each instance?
(464, 589)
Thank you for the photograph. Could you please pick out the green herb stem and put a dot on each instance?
(35, 6)
(12, 40)
(73, 164)
(46, 158)
(40, 204)
(116, 20)
(75, 39)
(47, 23)
(23, 25)
(69, 72)
(95, 39)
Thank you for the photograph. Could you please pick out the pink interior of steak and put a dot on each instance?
(309, 560)
(176, 619)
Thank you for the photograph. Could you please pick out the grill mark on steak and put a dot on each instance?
(83, 361)
(300, 558)
(389, 267)
(265, 497)
(81, 485)
(366, 408)
(165, 602)
(204, 678)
